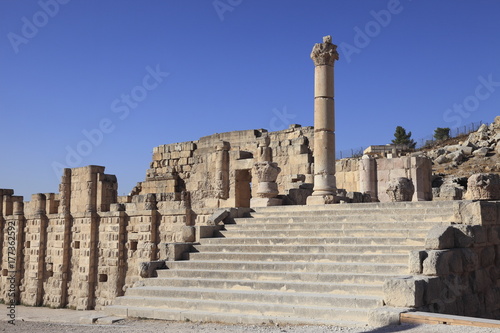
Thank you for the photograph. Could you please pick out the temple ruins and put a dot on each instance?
(361, 233)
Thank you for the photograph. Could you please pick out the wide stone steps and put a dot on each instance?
(302, 257)
(323, 233)
(353, 216)
(320, 223)
(294, 265)
(281, 286)
(304, 248)
(178, 294)
(233, 313)
(283, 266)
(248, 275)
(373, 208)
(374, 241)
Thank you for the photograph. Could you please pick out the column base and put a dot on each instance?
(265, 202)
(322, 200)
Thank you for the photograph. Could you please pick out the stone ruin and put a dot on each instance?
(84, 246)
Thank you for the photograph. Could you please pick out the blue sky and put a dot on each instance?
(103, 82)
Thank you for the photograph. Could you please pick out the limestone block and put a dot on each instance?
(385, 316)
(173, 251)
(265, 202)
(148, 269)
(218, 216)
(457, 156)
(416, 259)
(442, 159)
(434, 290)
(463, 235)
(440, 237)
(455, 260)
(400, 189)
(451, 192)
(482, 186)
(467, 151)
(470, 260)
(481, 152)
(404, 292)
(480, 281)
(298, 196)
(322, 200)
(188, 234)
(437, 262)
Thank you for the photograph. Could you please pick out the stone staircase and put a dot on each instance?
(290, 264)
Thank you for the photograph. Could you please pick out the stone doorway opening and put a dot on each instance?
(243, 188)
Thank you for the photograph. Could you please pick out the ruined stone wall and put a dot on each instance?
(218, 170)
(458, 272)
(419, 169)
(348, 174)
(83, 247)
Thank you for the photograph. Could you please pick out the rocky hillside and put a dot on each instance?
(455, 160)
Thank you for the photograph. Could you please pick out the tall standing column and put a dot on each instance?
(324, 56)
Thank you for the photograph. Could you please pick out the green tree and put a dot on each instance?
(403, 138)
(442, 133)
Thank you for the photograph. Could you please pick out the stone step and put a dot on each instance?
(355, 217)
(393, 258)
(282, 286)
(283, 266)
(236, 248)
(322, 223)
(365, 233)
(373, 207)
(373, 241)
(247, 297)
(273, 275)
(182, 314)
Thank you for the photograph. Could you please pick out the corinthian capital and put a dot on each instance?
(325, 53)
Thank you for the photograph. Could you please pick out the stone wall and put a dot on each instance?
(83, 247)
(458, 272)
(354, 175)
(218, 170)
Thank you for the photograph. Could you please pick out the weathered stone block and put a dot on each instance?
(385, 316)
(456, 265)
(416, 260)
(188, 234)
(437, 262)
(470, 260)
(218, 216)
(265, 202)
(483, 186)
(400, 189)
(440, 237)
(148, 269)
(404, 292)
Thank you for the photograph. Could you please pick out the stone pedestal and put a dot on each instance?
(267, 188)
(324, 56)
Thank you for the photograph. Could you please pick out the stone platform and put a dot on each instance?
(296, 264)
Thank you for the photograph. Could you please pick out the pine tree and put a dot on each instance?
(442, 133)
(403, 138)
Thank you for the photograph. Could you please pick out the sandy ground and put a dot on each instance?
(44, 320)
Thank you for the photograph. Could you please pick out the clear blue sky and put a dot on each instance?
(67, 70)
